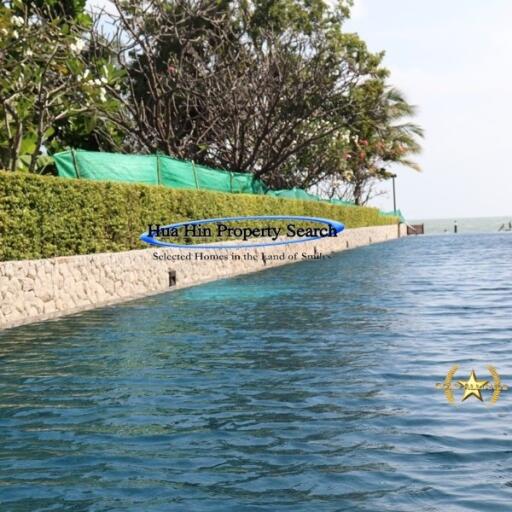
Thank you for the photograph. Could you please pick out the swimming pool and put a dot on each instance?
(304, 387)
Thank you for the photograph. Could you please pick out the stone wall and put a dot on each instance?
(36, 290)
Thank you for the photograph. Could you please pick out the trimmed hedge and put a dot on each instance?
(45, 216)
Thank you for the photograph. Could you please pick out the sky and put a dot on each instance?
(453, 60)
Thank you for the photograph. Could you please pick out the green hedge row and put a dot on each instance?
(45, 216)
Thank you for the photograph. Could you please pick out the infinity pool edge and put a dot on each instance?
(40, 290)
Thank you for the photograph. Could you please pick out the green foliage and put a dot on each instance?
(310, 18)
(276, 88)
(192, 86)
(56, 8)
(47, 82)
(380, 135)
(45, 216)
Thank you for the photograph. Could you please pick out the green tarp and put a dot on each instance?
(170, 172)
(153, 170)
(175, 173)
(294, 193)
(247, 184)
(93, 165)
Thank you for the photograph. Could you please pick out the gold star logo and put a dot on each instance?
(473, 386)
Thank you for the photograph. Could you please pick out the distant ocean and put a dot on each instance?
(465, 225)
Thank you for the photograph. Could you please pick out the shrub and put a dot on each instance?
(46, 216)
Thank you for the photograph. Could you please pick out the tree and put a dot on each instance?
(271, 87)
(211, 82)
(52, 8)
(380, 136)
(43, 82)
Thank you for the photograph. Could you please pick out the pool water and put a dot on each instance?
(309, 387)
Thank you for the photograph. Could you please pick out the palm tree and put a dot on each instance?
(381, 135)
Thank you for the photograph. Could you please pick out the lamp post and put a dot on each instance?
(393, 176)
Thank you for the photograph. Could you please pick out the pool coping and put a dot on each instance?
(34, 291)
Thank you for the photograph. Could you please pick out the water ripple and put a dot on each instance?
(308, 387)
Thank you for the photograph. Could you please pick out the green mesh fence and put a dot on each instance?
(294, 193)
(175, 173)
(93, 165)
(170, 172)
(153, 170)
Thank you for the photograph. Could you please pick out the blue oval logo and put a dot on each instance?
(149, 236)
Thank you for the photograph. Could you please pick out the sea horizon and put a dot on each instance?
(435, 226)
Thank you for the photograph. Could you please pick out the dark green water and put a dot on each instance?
(305, 388)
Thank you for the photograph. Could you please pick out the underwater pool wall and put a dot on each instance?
(38, 290)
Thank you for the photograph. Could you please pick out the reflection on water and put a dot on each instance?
(309, 387)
